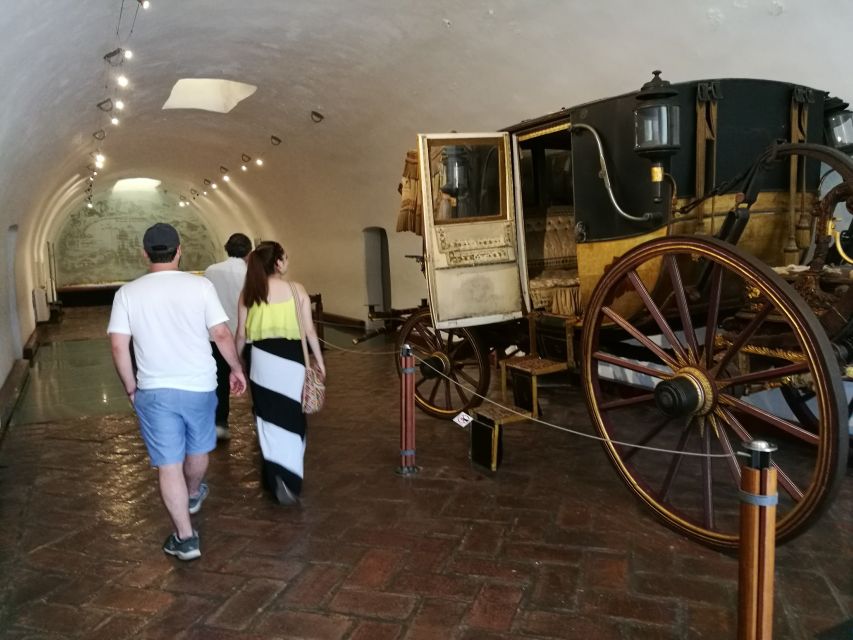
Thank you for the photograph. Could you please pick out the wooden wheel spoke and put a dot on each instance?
(771, 420)
(742, 337)
(626, 402)
(726, 444)
(675, 464)
(681, 303)
(447, 401)
(765, 375)
(426, 335)
(646, 438)
(713, 312)
(628, 364)
(421, 381)
(469, 379)
(434, 391)
(460, 390)
(784, 480)
(657, 315)
(662, 355)
(707, 478)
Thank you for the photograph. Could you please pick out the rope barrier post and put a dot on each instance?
(407, 412)
(757, 542)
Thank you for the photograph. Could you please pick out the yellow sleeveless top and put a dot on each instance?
(272, 320)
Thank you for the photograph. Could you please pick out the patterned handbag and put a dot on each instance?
(313, 388)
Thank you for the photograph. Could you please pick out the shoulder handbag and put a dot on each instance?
(313, 388)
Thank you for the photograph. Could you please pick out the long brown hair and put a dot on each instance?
(260, 266)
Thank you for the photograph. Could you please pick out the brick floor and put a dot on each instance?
(552, 546)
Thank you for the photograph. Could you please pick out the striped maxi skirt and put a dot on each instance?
(276, 375)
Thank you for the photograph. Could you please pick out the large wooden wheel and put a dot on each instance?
(685, 366)
(450, 363)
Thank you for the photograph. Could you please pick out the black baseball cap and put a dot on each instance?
(161, 237)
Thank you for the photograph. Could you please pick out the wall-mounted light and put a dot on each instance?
(122, 80)
(838, 125)
(106, 105)
(100, 134)
(120, 105)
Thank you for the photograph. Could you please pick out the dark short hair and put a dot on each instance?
(161, 256)
(238, 246)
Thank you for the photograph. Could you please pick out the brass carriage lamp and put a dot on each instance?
(656, 126)
(838, 122)
(456, 167)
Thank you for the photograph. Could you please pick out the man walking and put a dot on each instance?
(170, 316)
(227, 278)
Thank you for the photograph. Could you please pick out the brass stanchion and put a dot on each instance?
(407, 412)
(757, 543)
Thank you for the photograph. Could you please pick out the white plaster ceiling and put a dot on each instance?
(379, 71)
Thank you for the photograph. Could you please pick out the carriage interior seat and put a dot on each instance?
(552, 261)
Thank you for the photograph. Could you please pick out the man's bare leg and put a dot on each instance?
(173, 491)
(195, 466)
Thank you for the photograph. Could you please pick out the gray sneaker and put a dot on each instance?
(195, 502)
(183, 549)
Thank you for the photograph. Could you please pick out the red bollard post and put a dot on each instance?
(757, 543)
(407, 412)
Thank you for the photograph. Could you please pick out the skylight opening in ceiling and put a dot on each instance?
(136, 184)
(209, 94)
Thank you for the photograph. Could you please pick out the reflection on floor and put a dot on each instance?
(551, 546)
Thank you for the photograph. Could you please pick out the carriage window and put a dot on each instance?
(467, 180)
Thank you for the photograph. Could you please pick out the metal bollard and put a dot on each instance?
(407, 412)
(757, 543)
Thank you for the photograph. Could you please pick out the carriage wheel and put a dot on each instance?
(451, 364)
(687, 370)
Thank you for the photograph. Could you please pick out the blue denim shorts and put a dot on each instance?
(176, 423)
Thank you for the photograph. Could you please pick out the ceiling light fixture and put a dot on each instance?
(245, 157)
(94, 173)
(99, 157)
(120, 105)
(100, 134)
(243, 167)
(275, 140)
(226, 178)
(206, 181)
(114, 121)
(223, 169)
(144, 3)
(204, 193)
(316, 116)
(122, 81)
(213, 185)
(194, 192)
(128, 54)
(89, 205)
(259, 162)
(106, 105)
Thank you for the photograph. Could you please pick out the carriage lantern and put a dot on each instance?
(656, 131)
(839, 125)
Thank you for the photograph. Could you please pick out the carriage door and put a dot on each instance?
(469, 229)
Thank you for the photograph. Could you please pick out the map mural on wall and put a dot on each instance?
(104, 244)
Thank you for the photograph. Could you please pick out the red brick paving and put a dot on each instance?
(552, 546)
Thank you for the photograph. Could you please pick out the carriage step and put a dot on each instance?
(501, 415)
(534, 365)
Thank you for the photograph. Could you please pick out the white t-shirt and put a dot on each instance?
(168, 314)
(228, 278)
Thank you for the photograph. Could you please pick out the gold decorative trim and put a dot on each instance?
(544, 132)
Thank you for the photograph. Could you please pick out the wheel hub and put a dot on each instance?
(688, 392)
(435, 365)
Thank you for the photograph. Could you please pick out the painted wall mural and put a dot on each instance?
(104, 244)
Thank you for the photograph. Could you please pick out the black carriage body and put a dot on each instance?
(751, 115)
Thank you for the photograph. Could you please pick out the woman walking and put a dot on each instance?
(267, 320)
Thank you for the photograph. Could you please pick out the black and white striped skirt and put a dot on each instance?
(276, 375)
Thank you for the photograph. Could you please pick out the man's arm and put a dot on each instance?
(120, 346)
(225, 342)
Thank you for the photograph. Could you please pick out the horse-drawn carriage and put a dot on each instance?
(677, 248)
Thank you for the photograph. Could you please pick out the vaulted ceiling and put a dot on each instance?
(379, 72)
